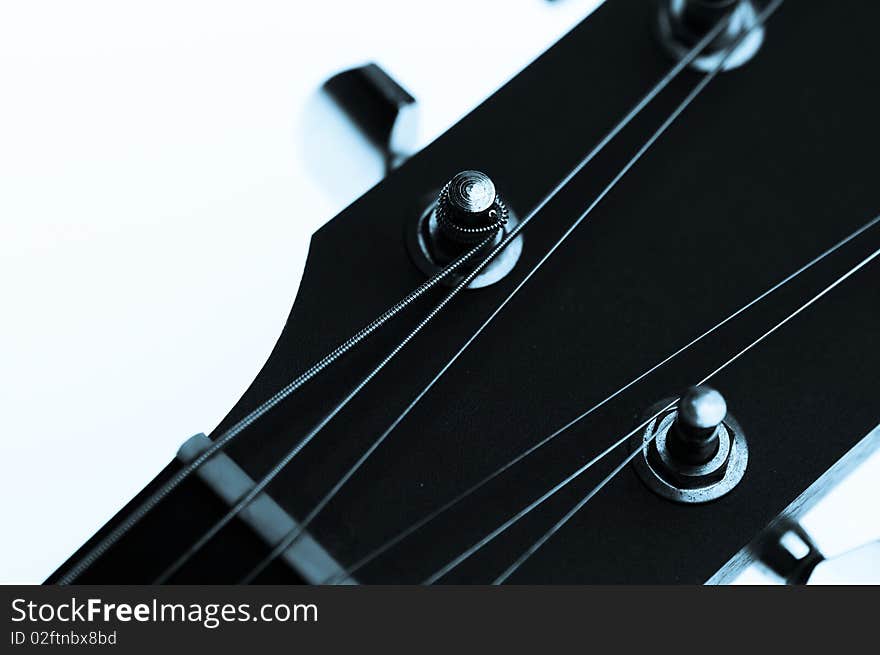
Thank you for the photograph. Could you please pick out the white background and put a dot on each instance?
(162, 166)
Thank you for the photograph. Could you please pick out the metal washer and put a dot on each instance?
(417, 241)
(732, 448)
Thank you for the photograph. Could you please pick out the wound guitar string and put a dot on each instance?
(414, 527)
(298, 530)
(762, 17)
(229, 435)
(154, 499)
(287, 458)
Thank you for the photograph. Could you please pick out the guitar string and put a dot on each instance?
(287, 458)
(87, 560)
(595, 490)
(695, 92)
(247, 498)
(529, 508)
(476, 547)
(226, 437)
(414, 527)
(298, 530)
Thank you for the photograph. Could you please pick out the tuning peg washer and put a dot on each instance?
(464, 212)
(694, 452)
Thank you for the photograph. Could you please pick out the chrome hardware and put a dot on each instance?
(694, 453)
(681, 24)
(466, 211)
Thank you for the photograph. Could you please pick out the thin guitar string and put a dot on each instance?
(414, 527)
(595, 490)
(695, 92)
(326, 361)
(284, 461)
(279, 466)
(258, 488)
(137, 515)
(297, 531)
(434, 577)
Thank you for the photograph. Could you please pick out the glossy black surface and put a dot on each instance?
(771, 165)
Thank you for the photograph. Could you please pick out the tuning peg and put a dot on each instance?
(788, 551)
(467, 210)
(380, 107)
(682, 24)
(695, 452)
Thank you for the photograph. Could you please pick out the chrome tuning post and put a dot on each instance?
(787, 551)
(465, 212)
(681, 24)
(693, 453)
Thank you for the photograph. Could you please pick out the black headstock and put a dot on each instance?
(772, 164)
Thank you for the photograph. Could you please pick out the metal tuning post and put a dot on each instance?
(466, 211)
(681, 24)
(693, 453)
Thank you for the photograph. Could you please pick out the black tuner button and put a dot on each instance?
(380, 107)
(682, 24)
(695, 452)
(466, 211)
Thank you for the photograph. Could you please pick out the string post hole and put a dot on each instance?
(465, 211)
(681, 24)
(695, 452)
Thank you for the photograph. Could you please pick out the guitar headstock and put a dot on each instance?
(771, 164)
